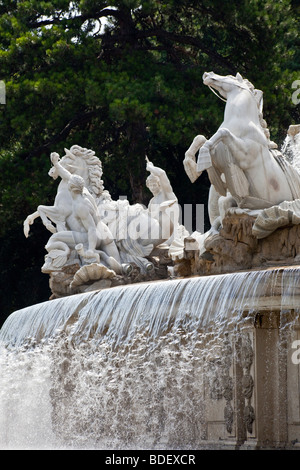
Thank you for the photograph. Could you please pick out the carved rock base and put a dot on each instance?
(234, 248)
(75, 279)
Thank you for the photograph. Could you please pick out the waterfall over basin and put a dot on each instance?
(118, 313)
(192, 363)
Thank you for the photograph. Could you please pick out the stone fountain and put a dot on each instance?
(126, 355)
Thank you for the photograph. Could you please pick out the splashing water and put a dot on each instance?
(291, 150)
(154, 308)
(128, 367)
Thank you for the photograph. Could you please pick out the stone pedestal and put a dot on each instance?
(235, 248)
(265, 386)
(264, 361)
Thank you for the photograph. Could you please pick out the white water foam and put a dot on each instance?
(291, 150)
(126, 367)
(154, 307)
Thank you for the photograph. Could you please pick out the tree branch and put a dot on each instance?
(79, 119)
(82, 17)
(163, 36)
(128, 29)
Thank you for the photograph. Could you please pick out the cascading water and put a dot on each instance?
(129, 367)
(291, 149)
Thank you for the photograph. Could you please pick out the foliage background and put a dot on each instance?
(124, 78)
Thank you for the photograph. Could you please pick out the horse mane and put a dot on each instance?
(258, 96)
(94, 165)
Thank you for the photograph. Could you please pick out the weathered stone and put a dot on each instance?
(235, 248)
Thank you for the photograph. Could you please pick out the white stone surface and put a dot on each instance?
(244, 167)
(87, 227)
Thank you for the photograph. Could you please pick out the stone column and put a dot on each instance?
(270, 382)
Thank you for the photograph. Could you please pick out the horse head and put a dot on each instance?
(228, 83)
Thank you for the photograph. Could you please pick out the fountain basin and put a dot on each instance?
(196, 363)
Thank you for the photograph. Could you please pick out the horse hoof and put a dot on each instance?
(204, 152)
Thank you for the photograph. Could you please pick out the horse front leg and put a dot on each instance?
(29, 221)
(45, 212)
(232, 164)
(205, 155)
(189, 162)
(236, 145)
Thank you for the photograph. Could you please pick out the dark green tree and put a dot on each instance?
(125, 79)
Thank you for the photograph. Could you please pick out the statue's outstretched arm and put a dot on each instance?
(63, 173)
(164, 180)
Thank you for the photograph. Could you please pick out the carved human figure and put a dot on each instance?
(80, 161)
(164, 204)
(83, 224)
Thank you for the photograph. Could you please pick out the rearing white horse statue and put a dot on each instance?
(74, 162)
(242, 163)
